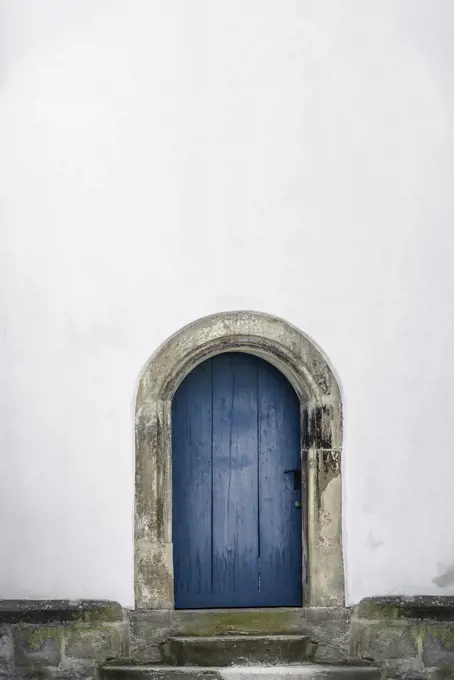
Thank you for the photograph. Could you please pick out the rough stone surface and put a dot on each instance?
(306, 672)
(59, 640)
(148, 629)
(396, 674)
(411, 637)
(6, 652)
(404, 647)
(37, 645)
(438, 645)
(381, 641)
(238, 621)
(236, 649)
(99, 643)
(331, 641)
(61, 611)
(328, 626)
(440, 673)
(71, 671)
(435, 608)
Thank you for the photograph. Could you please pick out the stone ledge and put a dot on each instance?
(207, 622)
(434, 608)
(59, 611)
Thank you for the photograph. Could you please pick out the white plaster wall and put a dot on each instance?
(162, 160)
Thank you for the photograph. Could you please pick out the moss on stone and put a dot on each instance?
(37, 644)
(48, 612)
(239, 621)
(101, 612)
(380, 610)
(398, 607)
(443, 633)
(36, 636)
(95, 642)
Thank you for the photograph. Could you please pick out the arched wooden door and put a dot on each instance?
(236, 469)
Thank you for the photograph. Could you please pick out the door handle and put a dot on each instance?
(298, 504)
(296, 478)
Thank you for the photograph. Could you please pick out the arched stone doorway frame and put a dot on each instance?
(304, 365)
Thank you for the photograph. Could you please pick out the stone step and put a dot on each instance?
(226, 650)
(298, 672)
(206, 622)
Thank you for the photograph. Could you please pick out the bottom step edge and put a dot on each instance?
(245, 672)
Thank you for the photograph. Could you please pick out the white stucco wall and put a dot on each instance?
(162, 160)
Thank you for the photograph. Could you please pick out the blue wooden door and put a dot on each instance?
(236, 486)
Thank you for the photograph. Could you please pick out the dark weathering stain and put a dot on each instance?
(319, 428)
(160, 497)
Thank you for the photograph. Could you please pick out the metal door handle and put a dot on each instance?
(298, 504)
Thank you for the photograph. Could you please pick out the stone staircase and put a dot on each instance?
(237, 657)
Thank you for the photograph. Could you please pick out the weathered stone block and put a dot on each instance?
(237, 649)
(154, 564)
(437, 608)
(381, 641)
(305, 672)
(446, 673)
(6, 652)
(331, 638)
(438, 645)
(150, 620)
(401, 673)
(147, 630)
(77, 671)
(37, 645)
(96, 642)
(236, 622)
(321, 615)
(404, 669)
(36, 673)
(59, 611)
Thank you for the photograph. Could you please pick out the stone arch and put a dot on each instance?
(298, 358)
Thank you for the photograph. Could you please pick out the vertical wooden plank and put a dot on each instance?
(280, 521)
(235, 480)
(192, 484)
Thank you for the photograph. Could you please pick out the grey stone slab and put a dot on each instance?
(147, 629)
(158, 672)
(437, 608)
(37, 645)
(381, 641)
(77, 671)
(6, 652)
(331, 639)
(237, 649)
(59, 611)
(306, 672)
(438, 646)
(446, 673)
(237, 621)
(96, 642)
(155, 624)
(403, 670)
